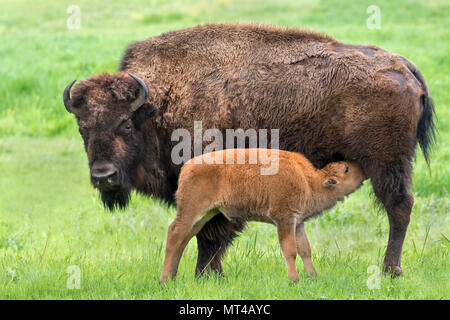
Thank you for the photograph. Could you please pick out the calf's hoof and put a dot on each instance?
(294, 278)
(163, 279)
(312, 273)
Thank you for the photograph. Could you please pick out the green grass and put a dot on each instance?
(46, 198)
(51, 218)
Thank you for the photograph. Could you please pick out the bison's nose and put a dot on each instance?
(104, 176)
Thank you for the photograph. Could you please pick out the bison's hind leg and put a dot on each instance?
(391, 183)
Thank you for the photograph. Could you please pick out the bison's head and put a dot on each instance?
(110, 111)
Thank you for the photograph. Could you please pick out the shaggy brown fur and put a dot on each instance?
(331, 101)
(295, 193)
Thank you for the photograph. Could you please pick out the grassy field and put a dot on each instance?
(53, 227)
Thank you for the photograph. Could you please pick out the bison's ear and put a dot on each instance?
(146, 112)
(330, 183)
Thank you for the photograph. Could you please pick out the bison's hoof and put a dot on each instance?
(394, 271)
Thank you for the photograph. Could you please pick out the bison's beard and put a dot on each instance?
(115, 198)
(118, 198)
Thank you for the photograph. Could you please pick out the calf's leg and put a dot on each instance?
(286, 236)
(177, 238)
(186, 225)
(304, 249)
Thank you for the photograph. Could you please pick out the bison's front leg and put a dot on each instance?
(213, 240)
(208, 251)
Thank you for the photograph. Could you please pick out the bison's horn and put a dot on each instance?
(143, 93)
(66, 96)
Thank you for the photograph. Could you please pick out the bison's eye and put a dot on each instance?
(82, 132)
(126, 128)
(346, 169)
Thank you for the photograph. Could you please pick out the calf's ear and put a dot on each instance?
(330, 183)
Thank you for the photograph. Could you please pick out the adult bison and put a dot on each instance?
(330, 101)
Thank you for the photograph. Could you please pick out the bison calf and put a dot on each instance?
(295, 193)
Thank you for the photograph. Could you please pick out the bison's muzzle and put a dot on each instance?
(104, 176)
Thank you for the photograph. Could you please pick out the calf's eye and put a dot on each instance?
(346, 169)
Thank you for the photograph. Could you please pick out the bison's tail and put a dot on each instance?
(213, 240)
(426, 129)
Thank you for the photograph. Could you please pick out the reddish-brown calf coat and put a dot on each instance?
(292, 193)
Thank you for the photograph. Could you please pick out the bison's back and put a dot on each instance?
(224, 44)
(308, 85)
(216, 70)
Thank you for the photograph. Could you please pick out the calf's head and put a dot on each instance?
(342, 178)
(110, 111)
